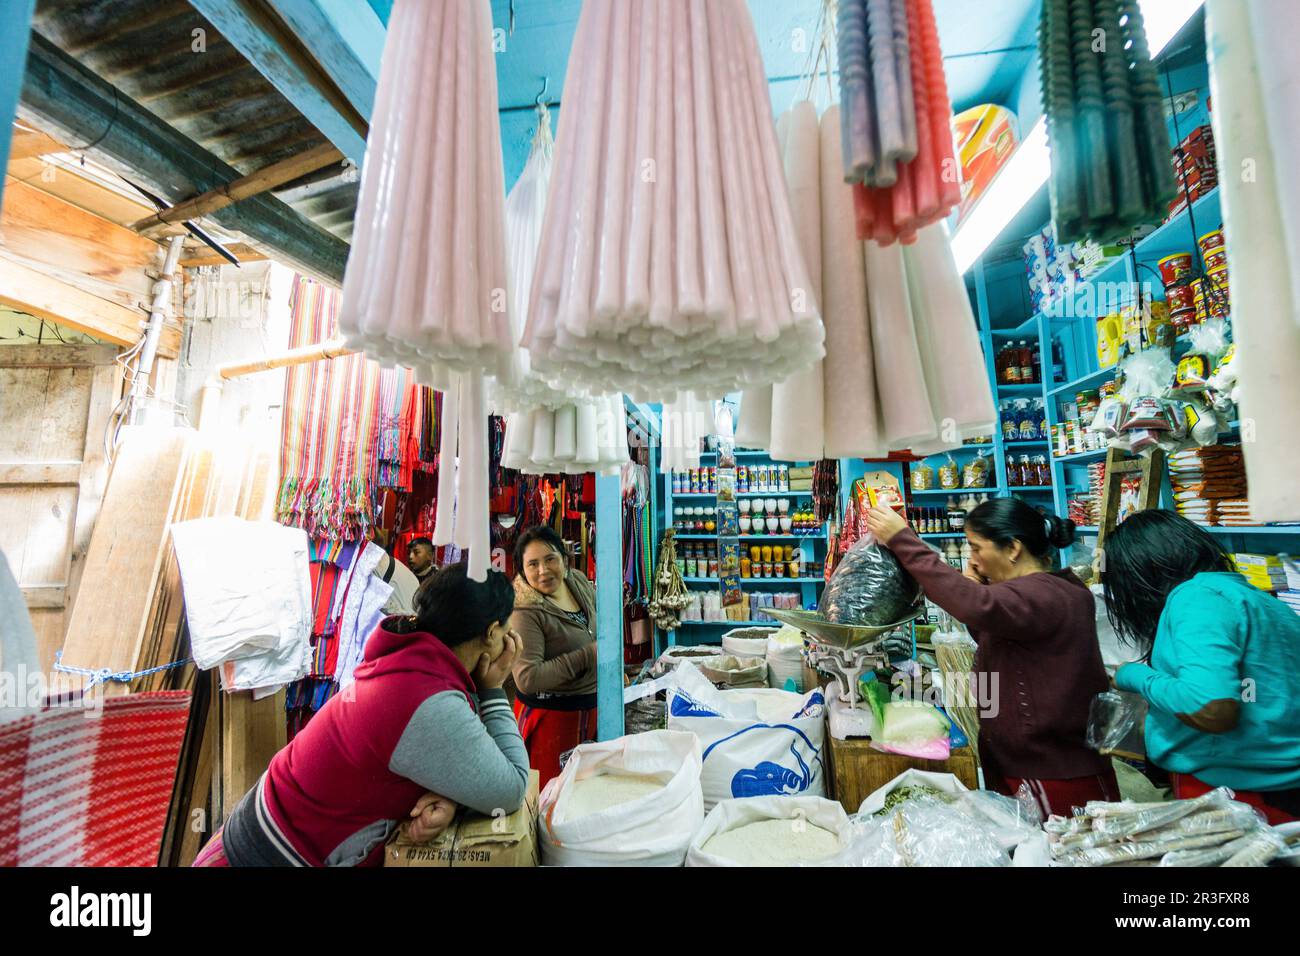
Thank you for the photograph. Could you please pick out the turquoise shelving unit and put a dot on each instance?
(814, 545)
(1111, 287)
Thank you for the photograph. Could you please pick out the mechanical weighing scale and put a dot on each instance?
(848, 651)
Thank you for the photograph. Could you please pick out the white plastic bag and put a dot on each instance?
(754, 743)
(654, 830)
(799, 811)
(785, 659)
(945, 782)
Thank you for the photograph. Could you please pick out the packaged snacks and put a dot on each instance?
(1110, 416)
(1193, 371)
(949, 474)
(923, 477)
(976, 472)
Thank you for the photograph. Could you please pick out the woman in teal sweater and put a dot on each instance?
(1221, 663)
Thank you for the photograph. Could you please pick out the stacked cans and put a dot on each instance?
(1195, 165)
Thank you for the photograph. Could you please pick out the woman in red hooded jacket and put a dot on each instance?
(424, 728)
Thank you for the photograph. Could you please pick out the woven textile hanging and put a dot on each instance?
(330, 432)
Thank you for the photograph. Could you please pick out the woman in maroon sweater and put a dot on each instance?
(1038, 655)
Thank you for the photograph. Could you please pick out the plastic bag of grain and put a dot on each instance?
(754, 743)
(669, 659)
(633, 801)
(747, 641)
(785, 659)
(728, 672)
(771, 831)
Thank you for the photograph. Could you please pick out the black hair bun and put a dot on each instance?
(1060, 531)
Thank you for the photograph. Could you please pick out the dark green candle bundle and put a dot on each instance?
(1112, 167)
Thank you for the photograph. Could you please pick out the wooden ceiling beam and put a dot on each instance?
(168, 221)
(73, 104)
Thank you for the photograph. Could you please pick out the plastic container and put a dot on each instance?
(1176, 268)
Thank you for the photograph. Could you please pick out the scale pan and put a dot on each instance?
(846, 636)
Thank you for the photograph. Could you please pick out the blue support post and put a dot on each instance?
(15, 28)
(609, 606)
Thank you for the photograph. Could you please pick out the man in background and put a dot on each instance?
(419, 555)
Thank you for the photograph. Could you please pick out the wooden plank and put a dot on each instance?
(267, 43)
(22, 400)
(40, 473)
(56, 356)
(168, 221)
(69, 101)
(79, 188)
(46, 597)
(29, 144)
(106, 624)
(857, 769)
(27, 290)
(48, 624)
(252, 732)
(206, 257)
(76, 247)
(345, 38)
(105, 389)
(200, 819)
(62, 429)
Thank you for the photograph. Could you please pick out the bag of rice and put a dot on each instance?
(771, 831)
(633, 801)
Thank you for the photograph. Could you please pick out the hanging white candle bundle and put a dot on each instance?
(668, 256)
(904, 368)
(586, 435)
(426, 282)
(685, 420)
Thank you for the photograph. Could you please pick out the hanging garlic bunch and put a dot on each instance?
(670, 594)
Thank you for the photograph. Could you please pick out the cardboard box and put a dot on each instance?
(476, 840)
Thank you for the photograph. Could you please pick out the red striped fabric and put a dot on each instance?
(84, 789)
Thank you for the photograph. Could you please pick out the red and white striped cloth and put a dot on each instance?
(86, 788)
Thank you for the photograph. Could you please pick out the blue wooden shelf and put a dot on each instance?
(1082, 457)
(1035, 389)
(1085, 381)
(773, 624)
(955, 491)
(745, 581)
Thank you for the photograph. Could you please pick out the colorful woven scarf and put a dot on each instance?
(330, 431)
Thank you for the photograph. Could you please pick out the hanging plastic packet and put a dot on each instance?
(1114, 717)
(1110, 416)
(1146, 413)
(1194, 370)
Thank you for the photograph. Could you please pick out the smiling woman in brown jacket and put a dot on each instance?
(555, 673)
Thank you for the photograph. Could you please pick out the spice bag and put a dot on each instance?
(654, 830)
(755, 743)
(799, 811)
